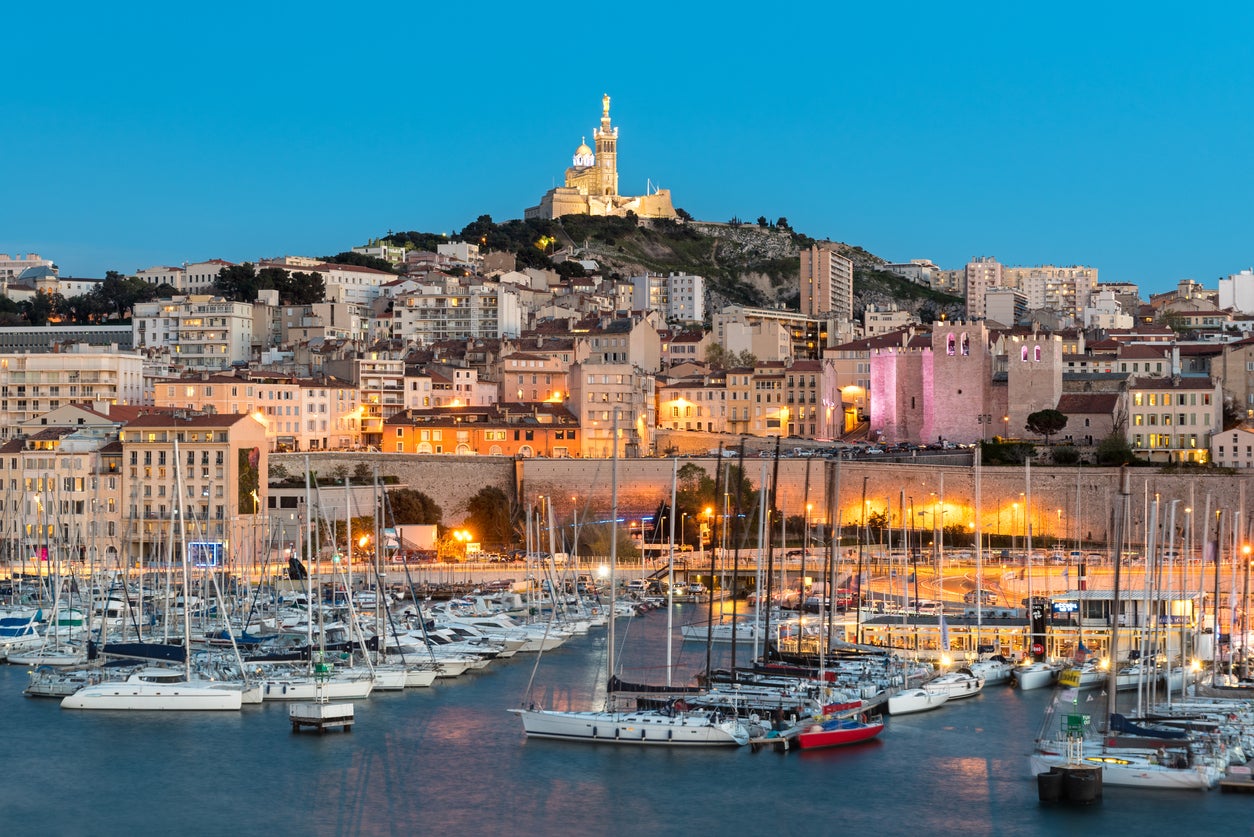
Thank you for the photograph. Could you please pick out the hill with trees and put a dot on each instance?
(754, 264)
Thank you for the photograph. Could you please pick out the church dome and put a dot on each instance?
(583, 158)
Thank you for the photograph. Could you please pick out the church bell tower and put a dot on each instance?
(606, 141)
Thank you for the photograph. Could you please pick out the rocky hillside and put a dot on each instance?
(751, 264)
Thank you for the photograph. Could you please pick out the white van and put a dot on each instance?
(926, 607)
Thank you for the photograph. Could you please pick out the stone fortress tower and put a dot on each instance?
(592, 183)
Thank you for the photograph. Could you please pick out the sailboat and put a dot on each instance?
(674, 725)
(162, 688)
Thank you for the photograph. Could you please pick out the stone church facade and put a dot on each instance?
(592, 183)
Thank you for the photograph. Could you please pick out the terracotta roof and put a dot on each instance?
(170, 420)
(1179, 382)
(1136, 351)
(1101, 403)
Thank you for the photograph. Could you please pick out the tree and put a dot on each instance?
(1066, 455)
(360, 260)
(119, 293)
(762, 222)
(1115, 450)
(42, 306)
(411, 506)
(782, 223)
(492, 517)
(237, 282)
(719, 357)
(1046, 423)
(682, 214)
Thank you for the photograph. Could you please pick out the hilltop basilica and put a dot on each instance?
(592, 183)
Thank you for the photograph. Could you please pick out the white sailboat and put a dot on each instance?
(671, 726)
(163, 689)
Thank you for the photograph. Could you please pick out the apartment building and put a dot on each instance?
(297, 414)
(1233, 448)
(679, 297)
(59, 492)
(34, 384)
(981, 273)
(698, 402)
(448, 310)
(527, 377)
(191, 480)
(1171, 419)
(523, 430)
(602, 393)
(826, 282)
(202, 333)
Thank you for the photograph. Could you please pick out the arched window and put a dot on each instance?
(950, 343)
(525, 451)
(966, 345)
(424, 447)
(463, 450)
(495, 450)
(1024, 354)
(1036, 354)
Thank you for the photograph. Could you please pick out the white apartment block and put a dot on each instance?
(452, 311)
(981, 273)
(343, 282)
(379, 250)
(1065, 290)
(1105, 312)
(202, 333)
(460, 251)
(34, 384)
(920, 271)
(679, 297)
(1237, 292)
(190, 278)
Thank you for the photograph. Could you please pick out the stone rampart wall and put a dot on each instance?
(1061, 497)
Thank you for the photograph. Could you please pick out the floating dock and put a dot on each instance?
(321, 716)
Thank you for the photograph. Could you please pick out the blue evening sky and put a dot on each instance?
(151, 133)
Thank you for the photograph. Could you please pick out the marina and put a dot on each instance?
(452, 754)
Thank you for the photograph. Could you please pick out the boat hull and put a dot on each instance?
(916, 700)
(683, 730)
(153, 697)
(838, 734)
(1137, 774)
(1035, 676)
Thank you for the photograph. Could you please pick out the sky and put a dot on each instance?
(1110, 135)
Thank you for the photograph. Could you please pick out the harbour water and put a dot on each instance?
(450, 759)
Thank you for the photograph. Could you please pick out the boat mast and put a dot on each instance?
(1121, 513)
(670, 576)
(187, 628)
(613, 539)
(714, 542)
(979, 554)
